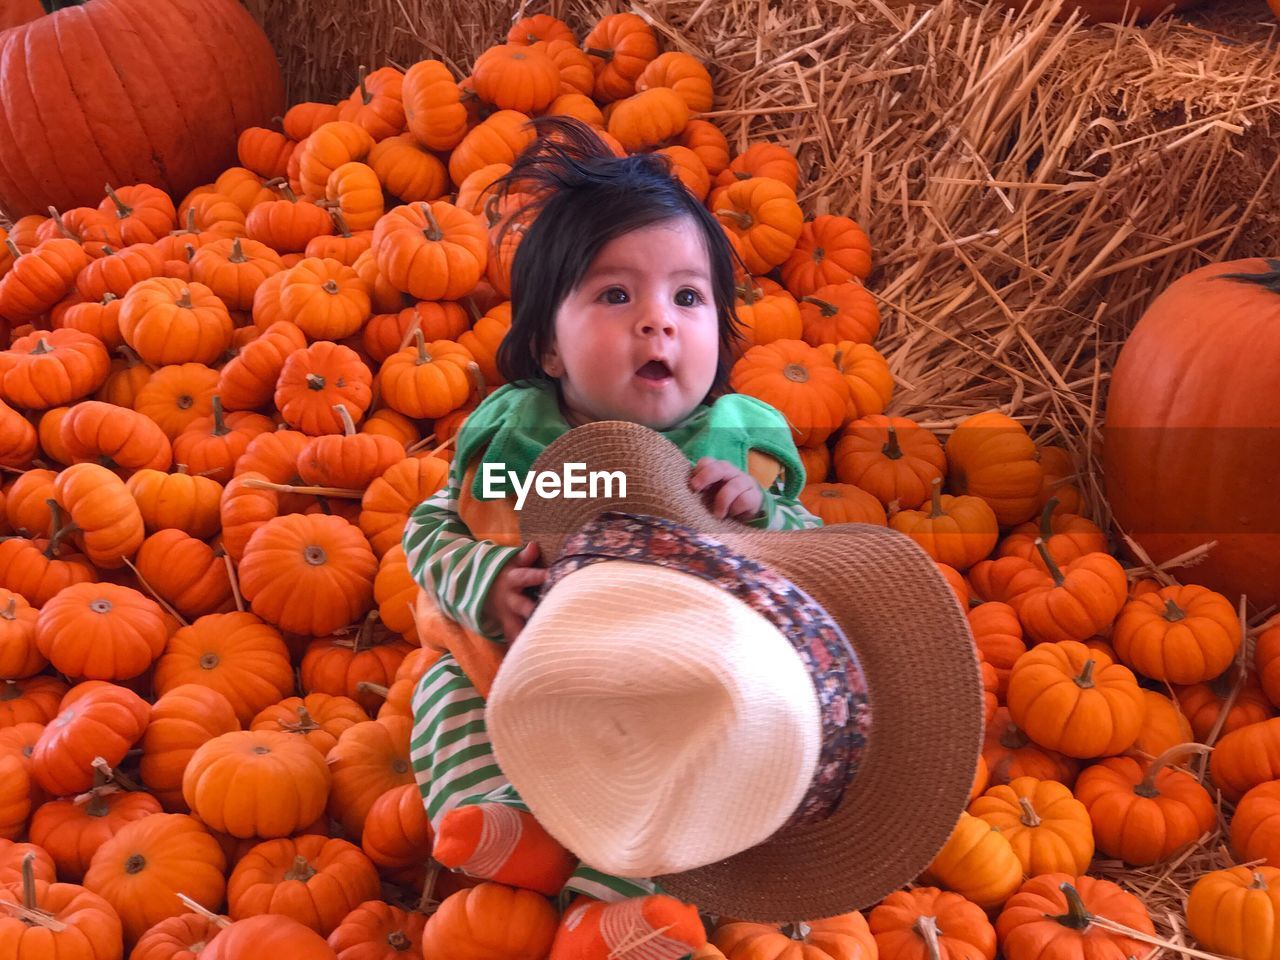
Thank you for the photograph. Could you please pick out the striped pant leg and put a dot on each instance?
(452, 758)
(601, 886)
(453, 764)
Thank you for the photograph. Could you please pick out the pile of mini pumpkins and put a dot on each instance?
(217, 411)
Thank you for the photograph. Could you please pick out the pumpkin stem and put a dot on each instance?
(29, 881)
(1046, 518)
(927, 927)
(306, 722)
(748, 293)
(41, 347)
(56, 217)
(432, 231)
(11, 611)
(343, 230)
(1172, 612)
(220, 428)
(1147, 787)
(935, 499)
(477, 379)
(605, 55)
(1259, 881)
(743, 220)
(891, 448)
(365, 632)
(108, 251)
(301, 870)
(1013, 738)
(108, 297)
(365, 95)
(191, 251)
(112, 775)
(836, 358)
(122, 209)
(203, 911)
(315, 381)
(1052, 567)
(58, 529)
(237, 252)
(12, 247)
(330, 286)
(1269, 279)
(423, 356)
(398, 942)
(348, 425)
(427, 903)
(1085, 680)
(377, 689)
(191, 223)
(1029, 816)
(315, 556)
(1076, 917)
(796, 373)
(828, 308)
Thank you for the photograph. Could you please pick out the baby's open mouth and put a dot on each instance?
(654, 370)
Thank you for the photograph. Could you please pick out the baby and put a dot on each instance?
(622, 298)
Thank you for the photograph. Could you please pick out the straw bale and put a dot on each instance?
(1029, 181)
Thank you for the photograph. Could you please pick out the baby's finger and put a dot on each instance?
(709, 472)
(524, 577)
(730, 492)
(522, 607)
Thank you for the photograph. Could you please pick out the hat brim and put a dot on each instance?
(916, 650)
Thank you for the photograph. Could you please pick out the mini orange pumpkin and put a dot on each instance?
(1049, 829)
(991, 456)
(282, 784)
(1058, 908)
(1075, 700)
(314, 381)
(764, 216)
(491, 920)
(308, 574)
(1145, 816)
(892, 458)
(432, 251)
(957, 531)
(1182, 634)
(326, 299)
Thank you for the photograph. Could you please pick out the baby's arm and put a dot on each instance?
(450, 564)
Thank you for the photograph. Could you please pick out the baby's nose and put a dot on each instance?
(656, 321)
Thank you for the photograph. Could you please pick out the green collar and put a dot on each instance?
(514, 424)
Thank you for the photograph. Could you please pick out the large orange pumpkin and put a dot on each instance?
(185, 135)
(1180, 398)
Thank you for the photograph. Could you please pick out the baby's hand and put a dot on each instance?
(735, 493)
(507, 602)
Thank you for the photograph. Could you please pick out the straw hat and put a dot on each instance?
(774, 726)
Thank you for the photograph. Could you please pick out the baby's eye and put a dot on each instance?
(615, 295)
(688, 298)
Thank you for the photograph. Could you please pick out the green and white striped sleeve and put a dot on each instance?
(449, 563)
(779, 512)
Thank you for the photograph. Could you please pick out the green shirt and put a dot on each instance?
(514, 424)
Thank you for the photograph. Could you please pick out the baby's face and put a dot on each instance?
(638, 340)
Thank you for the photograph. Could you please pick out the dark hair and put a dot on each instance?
(584, 197)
